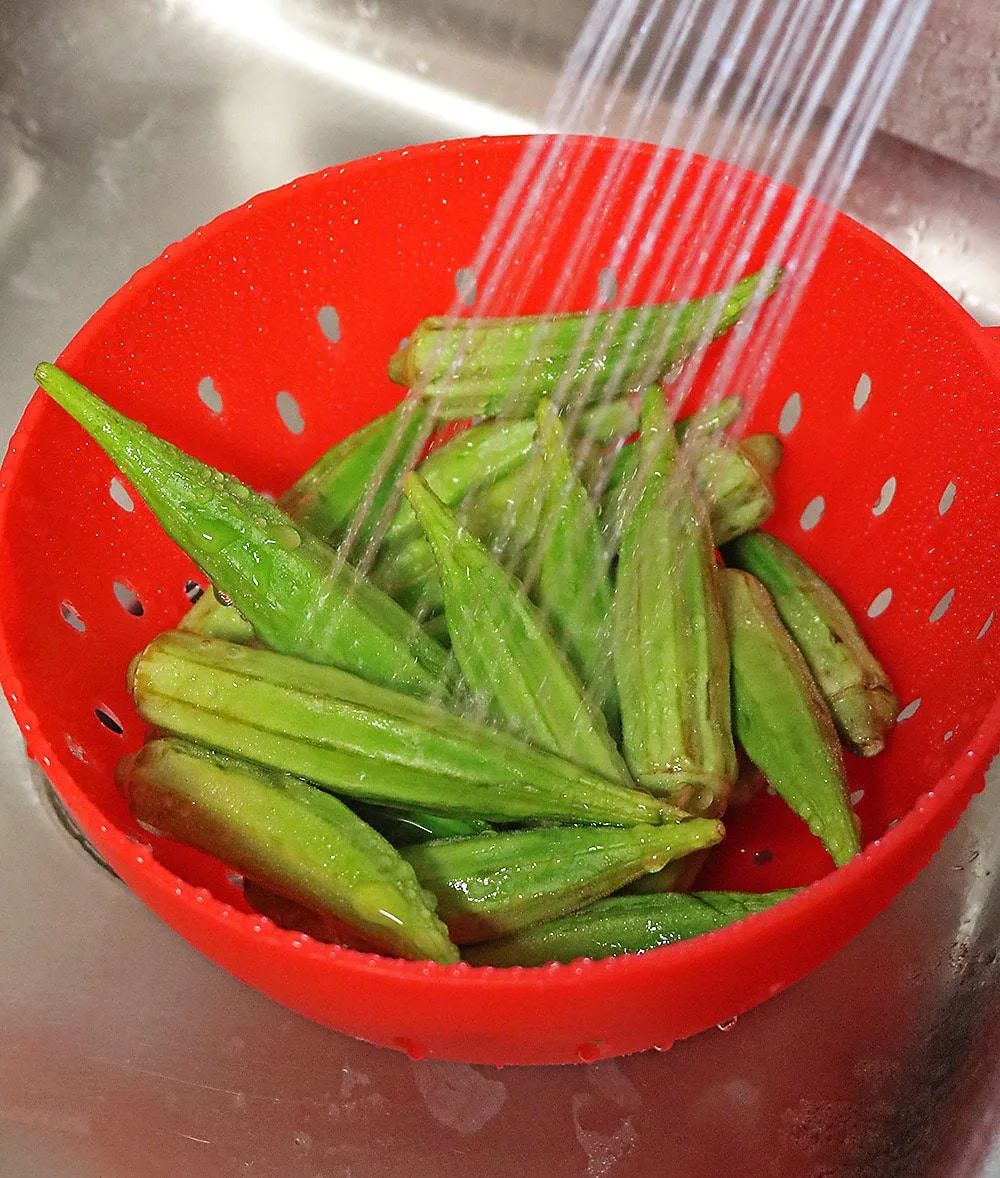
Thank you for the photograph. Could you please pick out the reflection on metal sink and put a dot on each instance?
(124, 125)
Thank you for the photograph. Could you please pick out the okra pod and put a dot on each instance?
(782, 720)
(565, 569)
(366, 742)
(733, 480)
(289, 836)
(852, 681)
(507, 657)
(468, 466)
(489, 366)
(298, 596)
(492, 885)
(669, 636)
(624, 924)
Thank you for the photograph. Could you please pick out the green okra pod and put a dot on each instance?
(670, 648)
(852, 681)
(623, 924)
(298, 596)
(733, 480)
(366, 742)
(491, 366)
(782, 720)
(492, 885)
(325, 501)
(469, 465)
(507, 657)
(289, 836)
(567, 570)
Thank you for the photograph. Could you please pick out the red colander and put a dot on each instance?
(261, 339)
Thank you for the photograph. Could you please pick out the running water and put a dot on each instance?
(773, 92)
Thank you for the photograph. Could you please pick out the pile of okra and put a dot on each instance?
(490, 698)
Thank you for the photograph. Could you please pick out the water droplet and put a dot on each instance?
(728, 1024)
(588, 1052)
(287, 537)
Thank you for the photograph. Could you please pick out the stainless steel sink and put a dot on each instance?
(122, 126)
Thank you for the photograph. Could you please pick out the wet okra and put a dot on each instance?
(623, 924)
(364, 741)
(509, 662)
(487, 366)
(852, 681)
(782, 720)
(490, 885)
(295, 592)
(670, 647)
(288, 835)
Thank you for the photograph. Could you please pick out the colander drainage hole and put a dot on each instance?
(885, 496)
(880, 603)
(210, 396)
(71, 617)
(947, 498)
(329, 323)
(465, 285)
(607, 285)
(942, 607)
(109, 719)
(121, 496)
(862, 390)
(128, 599)
(290, 413)
(813, 513)
(790, 414)
(985, 627)
(910, 710)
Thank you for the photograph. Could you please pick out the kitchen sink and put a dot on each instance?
(123, 1052)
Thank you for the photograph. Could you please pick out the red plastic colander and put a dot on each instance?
(261, 339)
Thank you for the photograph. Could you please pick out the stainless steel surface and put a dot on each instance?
(124, 125)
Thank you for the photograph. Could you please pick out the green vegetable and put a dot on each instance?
(492, 885)
(493, 366)
(624, 924)
(508, 659)
(855, 686)
(782, 720)
(288, 835)
(364, 741)
(564, 566)
(670, 649)
(469, 465)
(293, 590)
(734, 482)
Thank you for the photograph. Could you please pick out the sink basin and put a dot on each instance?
(124, 125)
